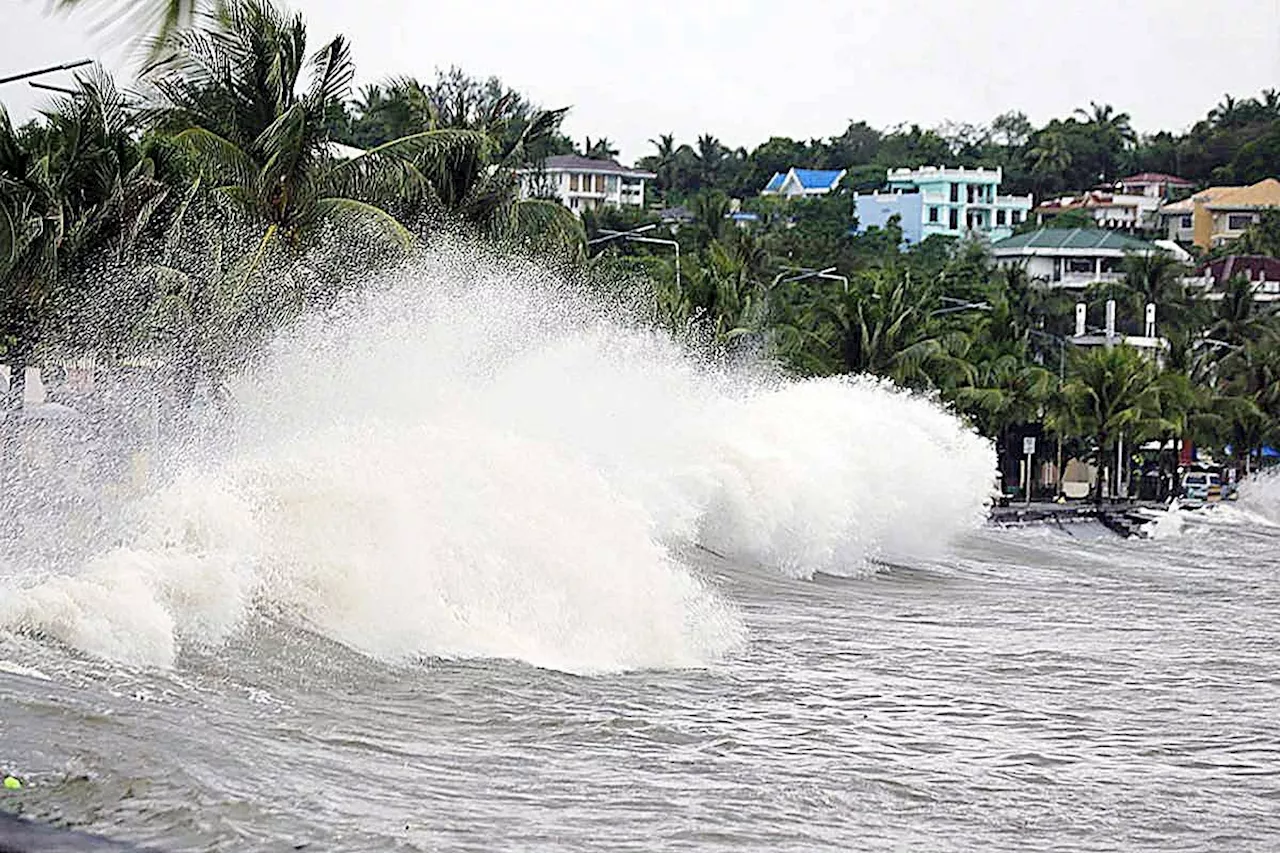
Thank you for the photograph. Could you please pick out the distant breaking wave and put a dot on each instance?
(472, 461)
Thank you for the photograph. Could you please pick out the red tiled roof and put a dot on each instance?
(1156, 178)
(1252, 267)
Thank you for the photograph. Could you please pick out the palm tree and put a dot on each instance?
(1104, 117)
(230, 95)
(1156, 279)
(157, 19)
(1237, 320)
(600, 149)
(883, 325)
(1049, 158)
(1112, 391)
(665, 162)
(710, 158)
(73, 186)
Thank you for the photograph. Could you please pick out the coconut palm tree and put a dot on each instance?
(884, 325)
(1049, 158)
(156, 20)
(664, 164)
(230, 94)
(1111, 392)
(74, 185)
(1156, 279)
(599, 149)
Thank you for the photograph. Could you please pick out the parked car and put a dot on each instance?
(1203, 486)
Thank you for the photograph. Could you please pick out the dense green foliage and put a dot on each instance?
(146, 229)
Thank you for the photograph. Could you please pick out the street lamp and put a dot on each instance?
(66, 66)
(802, 273)
(631, 235)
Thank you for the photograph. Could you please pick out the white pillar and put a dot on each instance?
(1151, 320)
(1111, 320)
(1081, 308)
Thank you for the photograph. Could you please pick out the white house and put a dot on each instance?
(1071, 257)
(803, 183)
(581, 183)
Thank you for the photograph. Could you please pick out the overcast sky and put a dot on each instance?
(745, 70)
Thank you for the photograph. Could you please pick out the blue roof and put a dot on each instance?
(774, 182)
(812, 179)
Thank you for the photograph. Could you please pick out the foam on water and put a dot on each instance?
(1260, 495)
(473, 461)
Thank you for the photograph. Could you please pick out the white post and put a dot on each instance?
(1111, 320)
(1028, 480)
(1120, 478)
(1151, 320)
(1080, 318)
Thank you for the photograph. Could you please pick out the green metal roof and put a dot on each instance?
(1073, 238)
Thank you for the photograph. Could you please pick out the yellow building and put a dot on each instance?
(1217, 215)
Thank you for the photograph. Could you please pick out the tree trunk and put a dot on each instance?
(1102, 469)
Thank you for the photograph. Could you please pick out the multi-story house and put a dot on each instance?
(1218, 215)
(1155, 185)
(953, 202)
(581, 183)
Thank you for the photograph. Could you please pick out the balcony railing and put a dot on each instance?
(1084, 279)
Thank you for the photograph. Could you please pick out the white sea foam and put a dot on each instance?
(1260, 495)
(471, 461)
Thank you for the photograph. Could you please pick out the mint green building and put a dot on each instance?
(959, 202)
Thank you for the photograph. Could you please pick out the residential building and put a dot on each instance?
(1071, 257)
(1114, 211)
(1262, 271)
(582, 183)
(1155, 185)
(959, 202)
(1218, 215)
(874, 210)
(803, 183)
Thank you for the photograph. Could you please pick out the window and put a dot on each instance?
(1186, 222)
(955, 218)
(955, 194)
(1000, 217)
(1080, 265)
(933, 214)
(599, 183)
(573, 183)
(1239, 221)
(1015, 217)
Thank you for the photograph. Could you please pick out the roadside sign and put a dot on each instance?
(1029, 445)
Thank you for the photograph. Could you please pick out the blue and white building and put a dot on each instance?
(953, 202)
(803, 183)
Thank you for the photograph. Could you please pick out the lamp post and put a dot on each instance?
(802, 273)
(633, 235)
(1062, 378)
(66, 66)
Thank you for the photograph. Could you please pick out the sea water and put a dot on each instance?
(469, 563)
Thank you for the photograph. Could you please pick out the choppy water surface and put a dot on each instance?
(471, 607)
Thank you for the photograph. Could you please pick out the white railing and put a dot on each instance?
(1084, 279)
